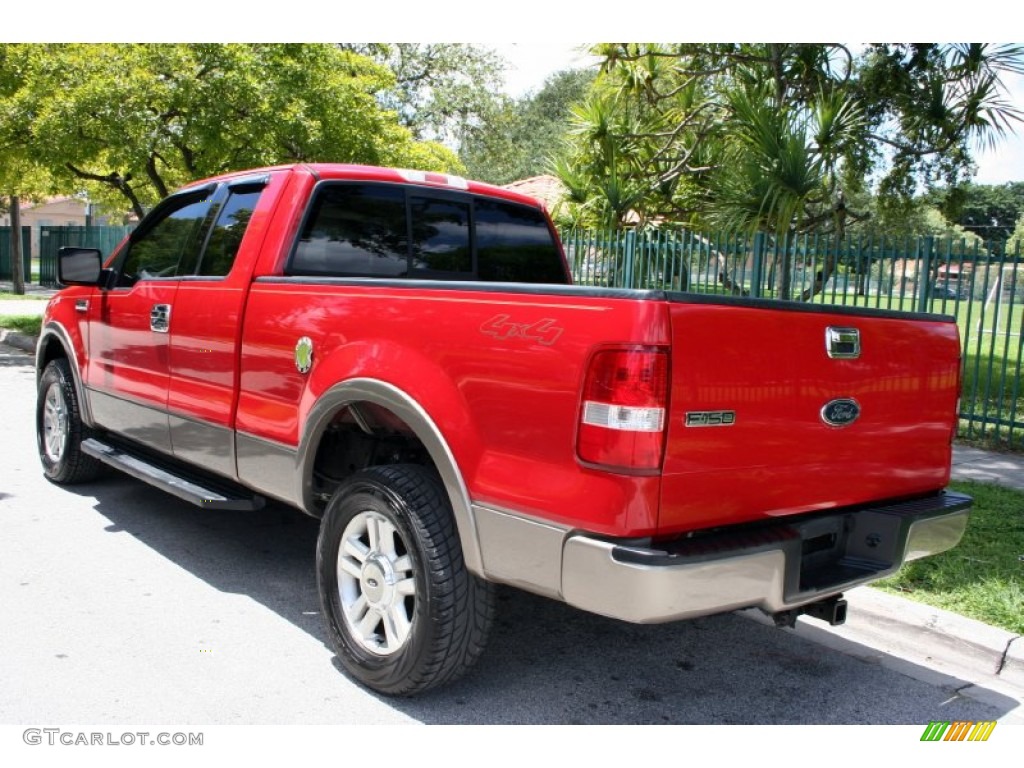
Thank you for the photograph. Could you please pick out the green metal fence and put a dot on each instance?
(979, 284)
(52, 239)
(5, 253)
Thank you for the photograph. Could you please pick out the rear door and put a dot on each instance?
(204, 340)
(784, 408)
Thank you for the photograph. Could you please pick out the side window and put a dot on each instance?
(354, 230)
(514, 244)
(174, 238)
(226, 236)
(440, 236)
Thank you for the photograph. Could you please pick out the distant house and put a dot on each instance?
(548, 189)
(55, 212)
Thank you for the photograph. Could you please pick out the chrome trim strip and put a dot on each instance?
(267, 466)
(412, 413)
(517, 550)
(57, 330)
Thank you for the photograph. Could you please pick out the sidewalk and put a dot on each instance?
(988, 467)
(26, 306)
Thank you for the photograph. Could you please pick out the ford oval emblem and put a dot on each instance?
(841, 412)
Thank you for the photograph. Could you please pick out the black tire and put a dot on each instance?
(424, 619)
(59, 428)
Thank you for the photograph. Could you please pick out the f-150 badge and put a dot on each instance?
(304, 354)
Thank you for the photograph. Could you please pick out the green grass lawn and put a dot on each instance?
(983, 576)
(4, 296)
(30, 324)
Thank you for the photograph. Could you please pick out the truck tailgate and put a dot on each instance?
(755, 385)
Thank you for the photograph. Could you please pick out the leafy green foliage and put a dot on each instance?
(519, 138)
(1015, 245)
(440, 90)
(135, 121)
(780, 136)
(989, 210)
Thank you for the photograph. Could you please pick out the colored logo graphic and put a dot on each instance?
(960, 730)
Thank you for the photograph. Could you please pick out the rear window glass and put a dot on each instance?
(514, 244)
(355, 230)
(440, 236)
(395, 231)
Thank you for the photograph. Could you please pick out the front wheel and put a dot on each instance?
(59, 427)
(403, 613)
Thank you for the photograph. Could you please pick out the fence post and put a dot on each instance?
(758, 268)
(628, 265)
(924, 274)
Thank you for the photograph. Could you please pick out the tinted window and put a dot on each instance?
(226, 236)
(440, 236)
(513, 244)
(175, 238)
(355, 230)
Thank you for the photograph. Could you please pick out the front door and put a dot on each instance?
(130, 325)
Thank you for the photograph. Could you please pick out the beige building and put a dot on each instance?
(56, 212)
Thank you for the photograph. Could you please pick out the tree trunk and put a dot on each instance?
(786, 278)
(828, 266)
(17, 268)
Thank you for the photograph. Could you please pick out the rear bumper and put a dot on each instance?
(774, 567)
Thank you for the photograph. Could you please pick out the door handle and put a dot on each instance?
(160, 318)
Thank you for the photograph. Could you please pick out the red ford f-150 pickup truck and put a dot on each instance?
(402, 355)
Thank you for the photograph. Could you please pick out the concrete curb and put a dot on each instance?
(1013, 666)
(926, 643)
(907, 626)
(22, 341)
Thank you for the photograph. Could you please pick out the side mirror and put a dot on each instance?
(79, 266)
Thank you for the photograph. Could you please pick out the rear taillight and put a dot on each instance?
(623, 409)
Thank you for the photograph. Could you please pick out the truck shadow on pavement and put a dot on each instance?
(547, 662)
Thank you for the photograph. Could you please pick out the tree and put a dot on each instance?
(135, 121)
(908, 115)
(440, 90)
(1015, 245)
(779, 136)
(989, 210)
(521, 137)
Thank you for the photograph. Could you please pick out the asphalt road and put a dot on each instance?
(124, 605)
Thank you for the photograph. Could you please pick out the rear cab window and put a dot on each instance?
(396, 231)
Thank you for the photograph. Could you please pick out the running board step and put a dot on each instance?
(201, 492)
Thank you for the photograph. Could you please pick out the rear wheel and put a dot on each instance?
(59, 427)
(402, 611)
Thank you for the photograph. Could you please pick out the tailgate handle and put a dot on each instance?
(842, 343)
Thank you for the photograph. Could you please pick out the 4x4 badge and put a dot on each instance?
(304, 354)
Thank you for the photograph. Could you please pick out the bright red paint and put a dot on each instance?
(502, 373)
